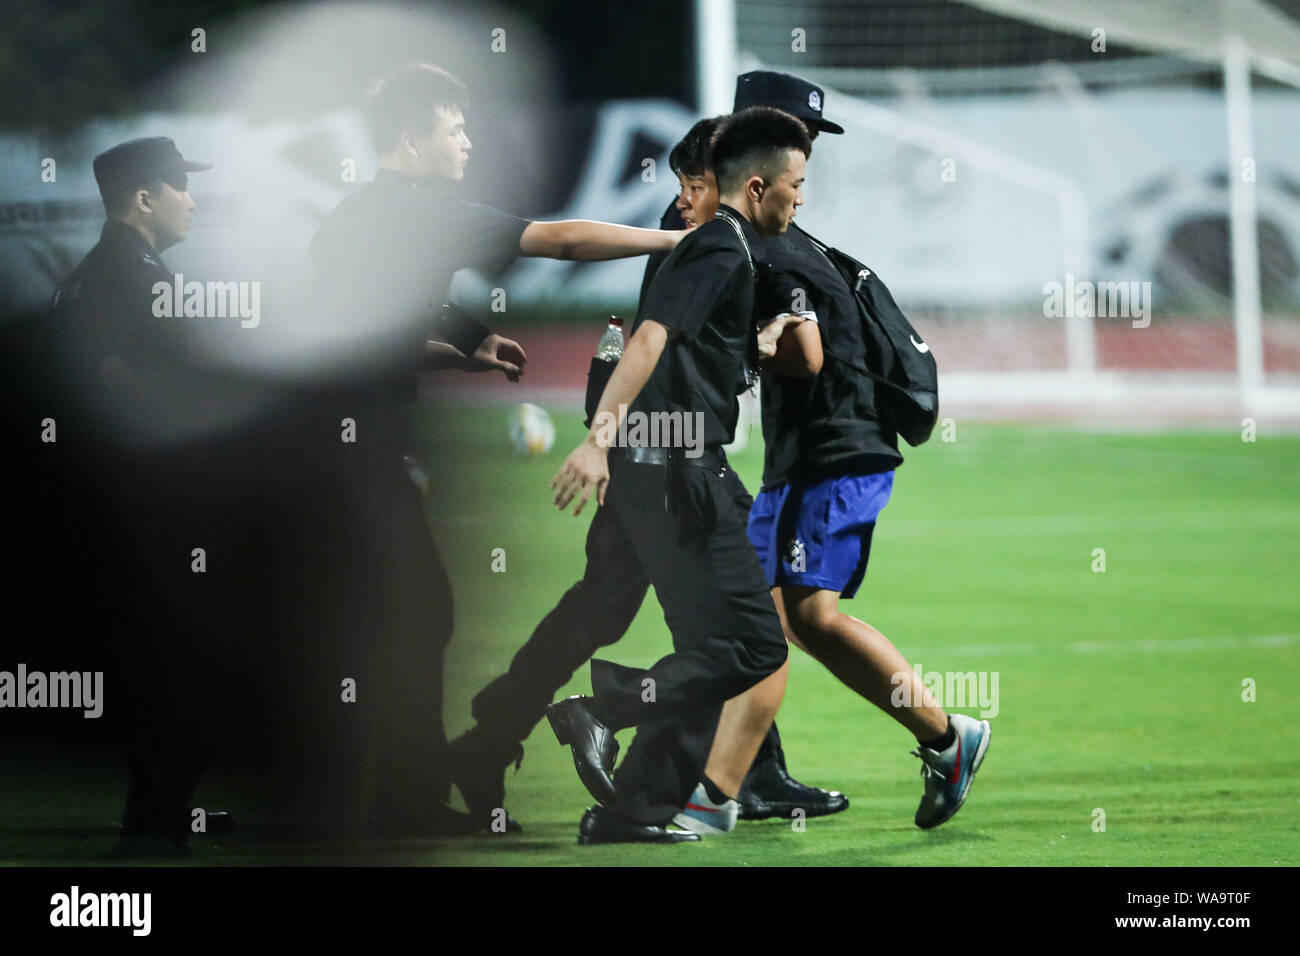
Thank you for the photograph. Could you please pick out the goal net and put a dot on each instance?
(1088, 206)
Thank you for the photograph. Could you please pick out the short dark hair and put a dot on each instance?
(752, 142)
(406, 99)
(118, 202)
(691, 157)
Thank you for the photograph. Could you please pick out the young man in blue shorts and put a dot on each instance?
(828, 472)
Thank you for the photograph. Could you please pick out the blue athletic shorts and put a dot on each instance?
(819, 535)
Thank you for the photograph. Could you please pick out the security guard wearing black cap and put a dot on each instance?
(104, 309)
(116, 366)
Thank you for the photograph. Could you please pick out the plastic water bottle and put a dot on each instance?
(608, 352)
(610, 347)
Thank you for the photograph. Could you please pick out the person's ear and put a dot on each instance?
(754, 187)
(410, 145)
(144, 200)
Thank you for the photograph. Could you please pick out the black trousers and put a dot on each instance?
(594, 613)
(178, 628)
(364, 595)
(686, 525)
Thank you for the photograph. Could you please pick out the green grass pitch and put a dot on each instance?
(1119, 692)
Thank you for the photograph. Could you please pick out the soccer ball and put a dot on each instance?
(531, 430)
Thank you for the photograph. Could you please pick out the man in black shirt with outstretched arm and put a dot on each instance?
(379, 602)
(684, 509)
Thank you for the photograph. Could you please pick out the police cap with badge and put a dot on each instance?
(786, 92)
(141, 161)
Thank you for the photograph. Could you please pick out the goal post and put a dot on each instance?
(1094, 145)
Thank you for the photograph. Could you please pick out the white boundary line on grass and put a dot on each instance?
(1148, 645)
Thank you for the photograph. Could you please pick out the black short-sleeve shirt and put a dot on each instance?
(817, 426)
(827, 424)
(385, 258)
(704, 291)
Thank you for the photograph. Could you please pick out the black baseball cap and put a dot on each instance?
(140, 161)
(785, 92)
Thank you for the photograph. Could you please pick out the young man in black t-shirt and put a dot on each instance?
(681, 506)
(598, 609)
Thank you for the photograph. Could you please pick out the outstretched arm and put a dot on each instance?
(588, 241)
(588, 466)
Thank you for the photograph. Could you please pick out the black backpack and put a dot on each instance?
(897, 358)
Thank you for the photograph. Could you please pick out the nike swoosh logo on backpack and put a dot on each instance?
(919, 346)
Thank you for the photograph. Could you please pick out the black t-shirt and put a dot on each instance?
(385, 257)
(383, 263)
(704, 291)
(824, 425)
(811, 426)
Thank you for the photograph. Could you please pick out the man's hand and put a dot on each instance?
(770, 334)
(791, 346)
(498, 352)
(587, 467)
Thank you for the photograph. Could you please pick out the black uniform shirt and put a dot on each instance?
(385, 257)
(705, 292)
(103, 314)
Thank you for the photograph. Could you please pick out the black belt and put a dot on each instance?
(711, 459)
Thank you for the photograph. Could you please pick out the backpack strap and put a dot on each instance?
(740, 234)
(876, 377)
(752, 361)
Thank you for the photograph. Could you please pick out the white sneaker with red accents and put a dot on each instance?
(948, 775)
(701, 815)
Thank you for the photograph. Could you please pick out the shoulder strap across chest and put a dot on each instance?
(730, 220)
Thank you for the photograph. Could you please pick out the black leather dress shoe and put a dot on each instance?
(770, 791)
(603, 825)
(593, 744)
(478, 768)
